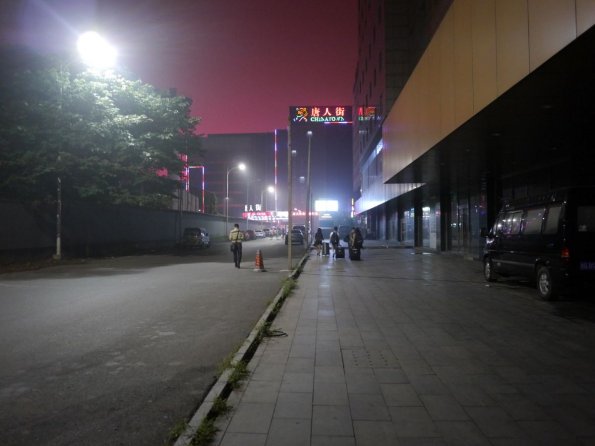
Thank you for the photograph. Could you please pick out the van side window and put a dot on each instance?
(499, 225)
(533, 221)
(512, 223)
(586, 219)
(551, 222)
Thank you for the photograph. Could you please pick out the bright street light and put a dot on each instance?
(240, 166)
(95, 51)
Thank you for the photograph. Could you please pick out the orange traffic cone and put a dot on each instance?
(259, 263)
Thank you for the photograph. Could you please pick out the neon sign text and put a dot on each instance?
(325, 114)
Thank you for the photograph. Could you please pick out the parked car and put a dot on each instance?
(195, 238)
(297, 237)
(301, 228)
(249, 234)
(550, 240)
(259, 233)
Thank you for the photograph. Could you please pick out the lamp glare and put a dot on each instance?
(95, 51)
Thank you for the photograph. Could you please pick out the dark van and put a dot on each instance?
(550, 240)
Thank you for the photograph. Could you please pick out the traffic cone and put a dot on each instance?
(259, 263)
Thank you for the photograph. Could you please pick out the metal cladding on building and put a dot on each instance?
(460, 106)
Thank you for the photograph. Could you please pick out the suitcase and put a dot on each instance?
(354, 254)
(325, 249)
(340, 252)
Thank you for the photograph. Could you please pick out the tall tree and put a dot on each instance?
(108, 138)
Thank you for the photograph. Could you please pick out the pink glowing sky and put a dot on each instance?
(243, 62)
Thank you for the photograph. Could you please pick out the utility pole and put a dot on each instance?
(308, 210)
(289, 200)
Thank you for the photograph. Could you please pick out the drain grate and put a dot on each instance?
(369, 358)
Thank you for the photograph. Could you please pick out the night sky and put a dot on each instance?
(243, 62)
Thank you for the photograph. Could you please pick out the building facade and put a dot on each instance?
(492, 100)
(266, 158)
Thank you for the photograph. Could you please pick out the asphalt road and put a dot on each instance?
(118, 351)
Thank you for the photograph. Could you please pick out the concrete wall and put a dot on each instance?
(481, 49)
(88, 229)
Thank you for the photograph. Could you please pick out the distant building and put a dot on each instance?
(330, 168)
(225, 151)
(330, 158)
(464, 104)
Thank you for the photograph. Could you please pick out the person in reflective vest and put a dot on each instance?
(236, 237)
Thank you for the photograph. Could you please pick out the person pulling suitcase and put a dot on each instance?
(356, 242)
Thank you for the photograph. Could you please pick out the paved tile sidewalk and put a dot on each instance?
(405, 348)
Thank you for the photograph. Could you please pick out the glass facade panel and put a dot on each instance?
(459, 225)
(431, 226)
(408, 227)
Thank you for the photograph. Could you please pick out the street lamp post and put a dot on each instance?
(289, 199)
(95, 52)
(240, 166)
(308, 210)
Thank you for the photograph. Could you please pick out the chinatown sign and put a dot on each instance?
(261, 216)
(272, 215)
(320, 114)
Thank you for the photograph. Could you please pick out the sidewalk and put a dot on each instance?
(410, 348)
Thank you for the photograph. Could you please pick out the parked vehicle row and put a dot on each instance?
(252, 234)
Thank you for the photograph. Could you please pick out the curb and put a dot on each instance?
(222, 388)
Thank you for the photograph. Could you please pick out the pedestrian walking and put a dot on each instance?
(356, 243)
(351, 237)
(335, 240)
(236, 237)
(318, 237)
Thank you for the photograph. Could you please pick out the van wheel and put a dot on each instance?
(488, 270)
(546, 288)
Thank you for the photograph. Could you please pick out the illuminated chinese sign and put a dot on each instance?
(366, 113)
(253, 208)
(261, 216)
(274, 216)
(320, 114)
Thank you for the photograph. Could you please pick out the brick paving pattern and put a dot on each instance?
(409, 348)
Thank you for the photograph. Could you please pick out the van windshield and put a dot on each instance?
(586, 218)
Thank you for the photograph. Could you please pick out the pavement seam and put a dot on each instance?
(222, 388)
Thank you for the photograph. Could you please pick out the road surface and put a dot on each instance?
(118, 351)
